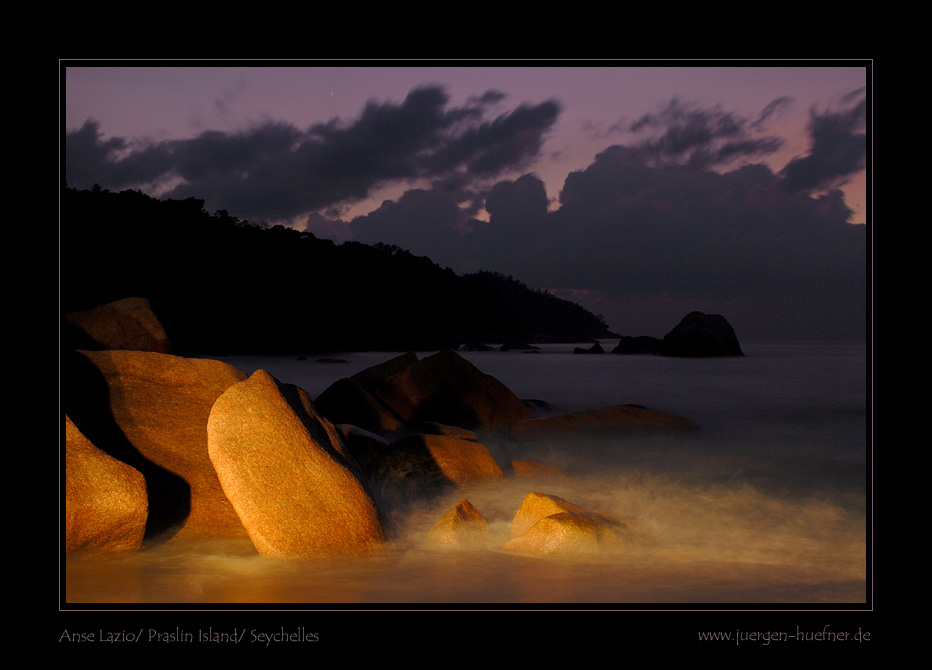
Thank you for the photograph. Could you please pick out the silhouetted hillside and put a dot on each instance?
(224, 285)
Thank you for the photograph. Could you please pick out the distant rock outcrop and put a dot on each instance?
(594, 349)
(105, 500)
(701, 335)
(611, 419)
(518, 345)
(643, 344)
(285, 471)
(546, 524)
(150, 411)
(128, 324)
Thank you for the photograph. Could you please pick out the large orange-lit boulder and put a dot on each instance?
(125, 324)
(547, 524)
(105, 500)
(462, 527)
(286, 472)
(445, 388)
(612, 419)
(150, 411)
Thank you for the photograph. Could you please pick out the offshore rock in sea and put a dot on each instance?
(701, 335)
(128, 324)
(285, 470)
(462, 527)
(150, 410)
(546, 524)
(594, 349)
(446, 388)
(642, 344)
(105, 500)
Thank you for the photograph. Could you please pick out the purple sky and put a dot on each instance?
(641, 192)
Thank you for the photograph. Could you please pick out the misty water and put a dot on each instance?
(766, 503)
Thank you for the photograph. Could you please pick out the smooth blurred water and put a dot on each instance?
(772, 491)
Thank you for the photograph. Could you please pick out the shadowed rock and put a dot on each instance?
(346, 401)
(546, 524)
(361, 444)
(105, 500)
(611, 419)
(445, 388)
(701, 335)
(373, 377)
(433, 428)
(422, 466)
(643, 344)
(594, 349)
(285, 471)
(128, 324)
(150, 411)
(462, 527)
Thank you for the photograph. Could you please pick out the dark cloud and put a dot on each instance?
(424, 221)
(688, 134)
(838, 148)
(773, 109)
(634, 230)
(276, 170)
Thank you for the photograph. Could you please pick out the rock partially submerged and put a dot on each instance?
(285, 471)
(105, 500)
(701, 335)
(462, 527)
(697, 335)
(446, 388)
(641, 345)
(547, 524)
(422, 466)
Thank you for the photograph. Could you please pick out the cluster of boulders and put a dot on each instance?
(544, 524)
(697, 335)
(160, 447)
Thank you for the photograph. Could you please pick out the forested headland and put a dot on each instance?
(223, 285)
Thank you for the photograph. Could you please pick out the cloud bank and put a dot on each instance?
(277, 171)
